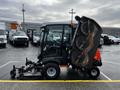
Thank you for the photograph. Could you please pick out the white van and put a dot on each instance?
(3, 34)
(3, 38)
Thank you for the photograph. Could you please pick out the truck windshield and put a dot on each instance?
(2, 32)
(19, 34)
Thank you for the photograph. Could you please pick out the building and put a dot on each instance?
(31, 26)
(10, 24)
(112, 31)
(107, 30)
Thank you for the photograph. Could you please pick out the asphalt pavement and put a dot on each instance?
(16, 56)
(60, 86)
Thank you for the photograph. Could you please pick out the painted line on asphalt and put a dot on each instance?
(8, 63)
(105, 76)
(111, 63)
(60, 81)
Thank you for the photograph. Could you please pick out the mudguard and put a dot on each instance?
(85, 42)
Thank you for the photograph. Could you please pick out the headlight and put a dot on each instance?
(15, 38)
(27, 39)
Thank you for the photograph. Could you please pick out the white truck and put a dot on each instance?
(3, 36)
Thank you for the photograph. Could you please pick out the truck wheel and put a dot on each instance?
(94, 72)
(4, 45)
(27, 44)
(52, 71)
(13, 43)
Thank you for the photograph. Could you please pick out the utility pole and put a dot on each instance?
(72, 13)
(23, 11)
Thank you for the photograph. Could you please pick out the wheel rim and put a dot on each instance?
(94, 72)
(51, 71)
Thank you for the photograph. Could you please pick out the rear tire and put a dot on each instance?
(52, 71)
(94, 72)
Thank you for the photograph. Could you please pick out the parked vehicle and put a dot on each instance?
(36, 38)
(101, 42)
(19, 37)
(3, 34)
(106, 39)
(115, 40)
(109, 39)
(30, 34)
(3, 38)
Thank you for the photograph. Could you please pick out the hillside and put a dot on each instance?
(112, 31)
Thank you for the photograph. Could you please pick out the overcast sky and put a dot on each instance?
(106, 12)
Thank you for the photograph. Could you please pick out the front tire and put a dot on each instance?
(4, 45)
(13, 43)
(52, 71)
(27, 44)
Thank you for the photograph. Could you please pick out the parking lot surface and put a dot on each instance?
(16, 56)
